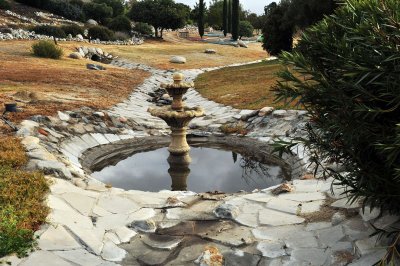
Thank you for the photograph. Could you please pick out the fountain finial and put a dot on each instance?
(178, 78)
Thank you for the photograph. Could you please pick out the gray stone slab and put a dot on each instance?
(80, 257)
(276, 218)
(42, 258)
(57, 238)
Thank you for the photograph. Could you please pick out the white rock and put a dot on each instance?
(124, 234)
(81, 203)
(116, 204)
(63, 116)
(266, 111)
(75, 55)
(42, 258)
(178, 60)
(57, 238)
(112, 252)
(344, 204)
(242, 44)
(80, 257)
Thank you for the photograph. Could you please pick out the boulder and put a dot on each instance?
(266, 111)
(178, 60)
(76, 55)
(210, 51)
(242, 44)
(99, 51)
(92, 22)
(79, 37)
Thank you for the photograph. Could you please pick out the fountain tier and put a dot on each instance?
(177, 116)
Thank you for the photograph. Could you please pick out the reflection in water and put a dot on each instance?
(210, 170)
(179, 171)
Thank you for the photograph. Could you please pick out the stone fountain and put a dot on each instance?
(178, 116)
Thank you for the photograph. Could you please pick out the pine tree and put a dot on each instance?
(201, 18)
(230, 16)
(235, 19)
(225, 18)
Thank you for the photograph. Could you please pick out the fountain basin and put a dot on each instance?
(226, 164)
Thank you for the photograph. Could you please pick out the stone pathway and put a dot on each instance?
(93, 224)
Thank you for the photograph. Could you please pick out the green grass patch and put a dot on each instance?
(21, 199)
(244, 87)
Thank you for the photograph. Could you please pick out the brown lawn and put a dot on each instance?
(244, 87)
(44, 86)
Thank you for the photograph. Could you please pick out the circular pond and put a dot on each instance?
(206, 169)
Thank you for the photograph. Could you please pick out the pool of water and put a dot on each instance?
(210, 170)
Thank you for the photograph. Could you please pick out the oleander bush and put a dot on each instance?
(120, 23)
(50, 31)
(349, 66)
(47, 49)
(72, 29)
(102, 33)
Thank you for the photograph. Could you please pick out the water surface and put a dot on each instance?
(210, 170)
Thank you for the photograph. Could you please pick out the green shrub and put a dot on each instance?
(72, 29)
(65, 9)
(120, 23)
(143, 28)
(98, 12)
(4, 4)
(49, 31)
(47, 49)
(245, 29)
(121, 36)
(350, 67)
(100, 32)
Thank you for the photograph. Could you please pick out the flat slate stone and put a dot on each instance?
(276, 218)
(42, 258)
(116, 204)
(112, 252)
(79, 202)
(161, 242)
(303, 197)
(271, 249)
(240, 258)
(313, 256)
(57, 238)
(80, 257)
(276, 233)
(344, 204)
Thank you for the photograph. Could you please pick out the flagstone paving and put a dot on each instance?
(94, 224)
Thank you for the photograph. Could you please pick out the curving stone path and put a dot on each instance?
(93, 224)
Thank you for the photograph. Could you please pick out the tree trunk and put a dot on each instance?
(156, 31)
(230, 16)
(235, 19)
(225, 18)
(162, 30)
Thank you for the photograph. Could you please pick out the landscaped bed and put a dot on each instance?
(21, 199)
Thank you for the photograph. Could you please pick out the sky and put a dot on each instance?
(255, 6)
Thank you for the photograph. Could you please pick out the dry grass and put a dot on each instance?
(59, 84)
(323, 215)
(243, 87)
(158, 53)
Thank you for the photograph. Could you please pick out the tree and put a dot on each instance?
(215, 14)
(98, 12)
(200, 22)
(225, 18)
(278, 33)
(235, 19)
(161, 14)
(116, 5)
(350, 86)
(230, 16)
(245, 29)
(120, 23)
